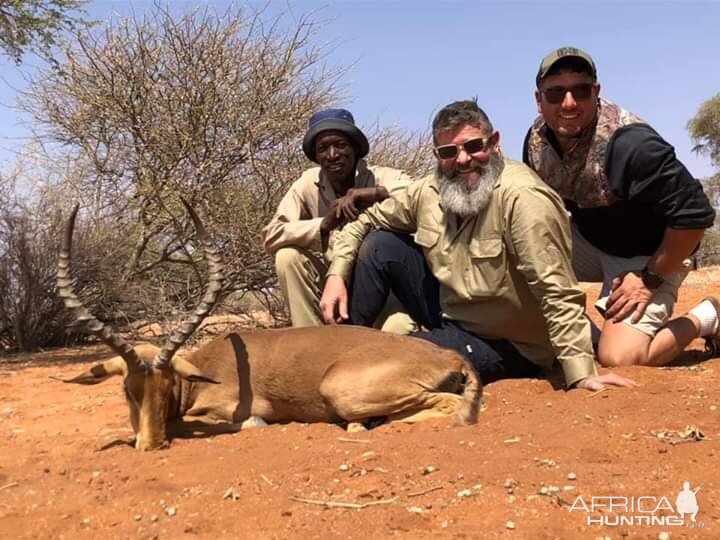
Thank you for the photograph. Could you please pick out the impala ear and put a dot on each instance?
(189, 372)
(99, 372)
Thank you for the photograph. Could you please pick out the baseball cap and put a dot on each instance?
(559, 54)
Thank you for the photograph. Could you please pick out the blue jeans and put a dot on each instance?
(390, 261)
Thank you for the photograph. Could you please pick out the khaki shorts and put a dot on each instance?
(596, 266)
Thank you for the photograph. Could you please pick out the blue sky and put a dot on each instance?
(409, 58)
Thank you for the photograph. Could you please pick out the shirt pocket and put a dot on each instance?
(427, 239)
(488, 267)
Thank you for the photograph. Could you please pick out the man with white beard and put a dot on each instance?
(488, 273)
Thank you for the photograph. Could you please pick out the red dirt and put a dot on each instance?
(66, 469)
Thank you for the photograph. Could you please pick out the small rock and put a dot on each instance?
(344, 467)
(154, 518)
(230, 494)
(170, 511)
(510, 525)
(543, 490)
(664, 536)
(286, 513)
(428, 470)
(415, 509)
(464, 493)
(137, 517)
(572, 476)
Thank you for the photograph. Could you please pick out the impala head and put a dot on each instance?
(148, 372)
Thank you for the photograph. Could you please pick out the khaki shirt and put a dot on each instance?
(504, 274)
(297, 219)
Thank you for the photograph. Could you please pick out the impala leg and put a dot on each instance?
(355, 427)
(207, 425)
(357, 403)
(440, 405)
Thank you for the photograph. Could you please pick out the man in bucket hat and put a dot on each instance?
(318, 204)
(636, 212)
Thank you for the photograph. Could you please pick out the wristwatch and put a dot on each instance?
(650, 279)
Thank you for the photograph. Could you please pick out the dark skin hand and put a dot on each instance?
(348, 207)
(331, 221)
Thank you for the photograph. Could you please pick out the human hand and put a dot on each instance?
(346, 208)
(357, 200)
(330, 222)
(334, 300)
(628, 294)
(600, 382)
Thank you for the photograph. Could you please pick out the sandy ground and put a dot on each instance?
(538, 457)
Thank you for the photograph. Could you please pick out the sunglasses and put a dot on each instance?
(471, 146)
(556, 94)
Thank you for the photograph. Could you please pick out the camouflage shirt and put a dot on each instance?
(621, 181)
(579, 175)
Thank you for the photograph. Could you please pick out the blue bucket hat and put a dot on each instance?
(338, 120)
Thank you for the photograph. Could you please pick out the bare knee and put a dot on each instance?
(623, 345)
(619, 356)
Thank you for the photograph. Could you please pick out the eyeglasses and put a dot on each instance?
(471, 146)
(556, 94)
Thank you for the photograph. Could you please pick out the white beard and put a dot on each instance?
(455, 195)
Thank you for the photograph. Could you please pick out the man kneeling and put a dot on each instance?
(318, 204)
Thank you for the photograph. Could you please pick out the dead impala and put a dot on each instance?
(249, 377)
